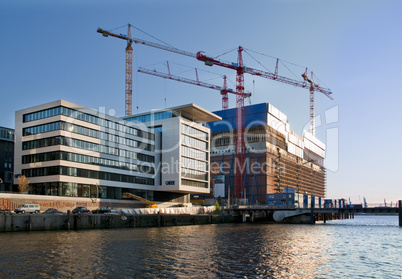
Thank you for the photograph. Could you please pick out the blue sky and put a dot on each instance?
(50, 50)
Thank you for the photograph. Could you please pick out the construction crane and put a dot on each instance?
(129, 60)
(274, 76)
(224, 90)
(150, 204)
(240, 70)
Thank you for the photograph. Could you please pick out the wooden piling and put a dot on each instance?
(400, 212)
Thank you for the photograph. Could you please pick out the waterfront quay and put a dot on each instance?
(69, 221)
(131, 219)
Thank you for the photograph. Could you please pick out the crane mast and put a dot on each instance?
(240, 147)
(312, 85)
(129, 75)
(129, 60)
(224, 92)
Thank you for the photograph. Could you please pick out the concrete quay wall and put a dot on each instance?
(42, 222)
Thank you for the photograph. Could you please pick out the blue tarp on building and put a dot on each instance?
(254, 115)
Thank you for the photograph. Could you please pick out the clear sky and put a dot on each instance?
(50, 50)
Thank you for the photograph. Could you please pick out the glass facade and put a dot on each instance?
(192, 183)
(193, 142)
(194, 157)
(189, 173)
(70, 189)
(61, 125)
(6, 134)
(150, 117)
(125, 152)
(75, 143)
(195, 153)
(186, 129)
(194, 164)
(87, 118)
(69, 171)
(80, 158)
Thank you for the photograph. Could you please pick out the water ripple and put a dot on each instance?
(345, 249)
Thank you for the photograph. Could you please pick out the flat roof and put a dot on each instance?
(189, 111)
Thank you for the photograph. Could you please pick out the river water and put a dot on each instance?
(365, 247)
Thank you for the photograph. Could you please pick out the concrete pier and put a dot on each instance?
(41, 222)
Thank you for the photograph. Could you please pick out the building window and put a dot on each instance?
(193, 142)
(86, 118)
(61, 170)
(85, 159)
(60, 125)
(185, 129)
(192, 183)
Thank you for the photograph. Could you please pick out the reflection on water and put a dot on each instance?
(337, 249)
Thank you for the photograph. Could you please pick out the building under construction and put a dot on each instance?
(277, 159)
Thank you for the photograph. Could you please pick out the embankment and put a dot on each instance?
(41, 222)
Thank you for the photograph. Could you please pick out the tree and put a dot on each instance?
(23, 184)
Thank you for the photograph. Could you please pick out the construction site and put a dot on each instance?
(256, 155)
(251, 161)
(245, 155)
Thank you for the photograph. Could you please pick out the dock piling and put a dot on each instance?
(400, 212)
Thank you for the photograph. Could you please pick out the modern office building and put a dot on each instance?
(68, 150)
(6, 159)
(277, 158)
(183, 148)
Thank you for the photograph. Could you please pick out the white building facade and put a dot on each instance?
(68, 150)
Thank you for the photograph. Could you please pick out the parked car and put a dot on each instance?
(52, 211)
(101, 210)
(81, 210)
(28, 208)
(5, 211)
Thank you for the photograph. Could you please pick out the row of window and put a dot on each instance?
(8, 167)
(150, 117)
(194, 132)
(194, 174)
(71, 189)
(194, 164)
(68, 189)
(61, 125)
(60, 170)
(192, 183)
(87, 118)
(76, 143)
(193, 142)
(79, 158)
(6, 134)
(195, 153)
(222, 140)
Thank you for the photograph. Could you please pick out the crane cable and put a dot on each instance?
(144, 33)
(257, 61)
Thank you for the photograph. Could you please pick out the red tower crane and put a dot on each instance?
(224, 90)
(240, 70)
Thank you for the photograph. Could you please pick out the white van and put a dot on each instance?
(28, 208)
